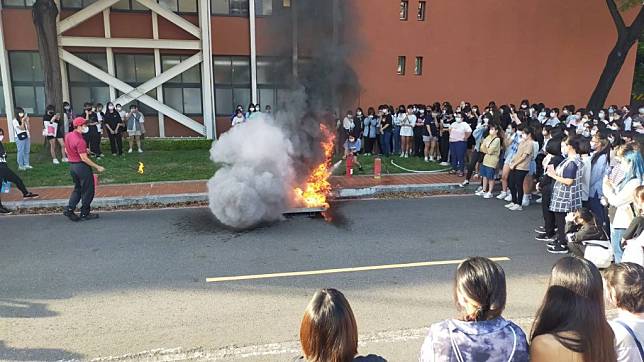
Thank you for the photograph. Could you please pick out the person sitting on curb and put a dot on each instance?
(81, 170)
(7, 175)
(351, 147)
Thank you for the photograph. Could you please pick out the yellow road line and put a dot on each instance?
(342, 270)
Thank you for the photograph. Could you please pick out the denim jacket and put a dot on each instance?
(496, 340)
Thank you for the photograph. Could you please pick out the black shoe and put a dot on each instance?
(89, 216)
(71, 215)
(558, 249)
(540, 230)
(552, 244)
(30, 195)
(4, 210)
(544, 237)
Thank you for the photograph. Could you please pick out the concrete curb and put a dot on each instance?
(200, 197)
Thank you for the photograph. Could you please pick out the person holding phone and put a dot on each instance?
(80, 166)
(54, 133)
(21, 129)
(135, 127)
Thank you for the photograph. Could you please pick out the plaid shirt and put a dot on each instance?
(567, 198)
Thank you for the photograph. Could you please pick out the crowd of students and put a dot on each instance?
(113, 122)
(570, 324)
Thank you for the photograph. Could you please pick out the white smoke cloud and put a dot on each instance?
(254, 183)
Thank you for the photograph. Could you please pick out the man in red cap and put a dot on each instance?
(81, 170)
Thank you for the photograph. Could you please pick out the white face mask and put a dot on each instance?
(119, 109)
(553, 114)
(641, 110)
(251, 109)
(458, 119)
(1, 137)
(21, 115)
(422, 111)
(602, 115)
(85, 129)
(542, 114)
(110, 108)
(359, 113)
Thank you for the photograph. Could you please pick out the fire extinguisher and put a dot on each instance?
(377, 167)
(349, 165)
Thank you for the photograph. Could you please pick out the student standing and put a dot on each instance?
(6, 174)
(55, 133)
(21, 129)
(519, 168)
(459, 132)
(553, 157)
(370, 130)
(92, 136)
(135, 127)
(113, 124)
(491, 148)
(81, 170)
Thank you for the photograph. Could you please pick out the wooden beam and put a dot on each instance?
(85, 41)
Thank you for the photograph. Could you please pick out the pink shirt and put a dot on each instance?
(74, 146)
(457, 131)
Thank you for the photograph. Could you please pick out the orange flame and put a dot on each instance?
(317, 186)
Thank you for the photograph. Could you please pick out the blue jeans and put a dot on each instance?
(385, 143)
(616, 240)
(457, 155)
(396, 139)
(599, 211)
(24, 147)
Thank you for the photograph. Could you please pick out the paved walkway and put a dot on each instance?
(183, 191)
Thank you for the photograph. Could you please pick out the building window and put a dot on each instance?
(401, 65)
(182, 92)
(18, 3)
(232, 83)
(3, 110)
(75, 4)
(418, 69)
(180, 6)
(240, 7)
(135, 69)
(404, 9)
(421, 10)
(84, 87)
(272, 75)
(131, 5)
(27, 78)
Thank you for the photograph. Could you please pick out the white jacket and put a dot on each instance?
(622, 199)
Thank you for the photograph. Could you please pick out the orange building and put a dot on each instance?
(188, 63)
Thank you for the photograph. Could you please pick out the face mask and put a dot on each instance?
(611, 111)
(458, 119)
(641, 110)
(66, 108)
(50, 113)
(553, 114)
(359, 113)
(542, 114)
(85, 129)
(93, 109)
(1, 137)
(593, 132)
(544, 133)
(110, 108)
(119, 109)
(564, 112)
(474, 109)
(422, 111)
(486, 120)
(239, 116)
(251, 109)
(602, 115)
(21, 115)
(523, 106)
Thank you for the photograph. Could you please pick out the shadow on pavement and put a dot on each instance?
(35, 354)
(19, 309)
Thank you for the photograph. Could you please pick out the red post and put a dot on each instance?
(377, 166)
(349, 165)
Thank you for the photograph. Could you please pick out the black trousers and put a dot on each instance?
(116, 143)
(471, 166)
(515, 182)
(368, 144)
(6, 174)
(93, 139)
(83, 187)
(419, 145)
(560, 221)
(444, 147)
(548, 216)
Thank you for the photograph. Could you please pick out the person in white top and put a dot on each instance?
(407, 132)
(459, 132)
(21, 129)
(624, 289)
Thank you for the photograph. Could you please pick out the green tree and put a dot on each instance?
(626, 38)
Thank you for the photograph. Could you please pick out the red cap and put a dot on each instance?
(79, 121)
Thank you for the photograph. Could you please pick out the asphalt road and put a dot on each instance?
(132, 285)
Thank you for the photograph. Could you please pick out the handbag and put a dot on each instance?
(598, 252)
(22, 136)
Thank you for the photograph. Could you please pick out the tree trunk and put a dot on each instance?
(626, 37)
(44, 15)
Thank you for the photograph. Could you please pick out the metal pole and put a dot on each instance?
(157, 72)
(253, 52)
(207, 81)
(6, 80)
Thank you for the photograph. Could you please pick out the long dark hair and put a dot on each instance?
(573, 311)
(483, 282)
(605, 150)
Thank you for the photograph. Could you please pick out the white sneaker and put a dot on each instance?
(129, 151)
(510, 205)
(525, 202)
(29, 167)
(480, 188)
(502, 195)
(140, 150)
(488, 195)
(426, 159)
(431, 159)
(444, 164)
(21, 168)
(479, 193)
(464, 183)
(539, 200)
(516, 208)
(508, 198)
(65, 159)
(55, 161)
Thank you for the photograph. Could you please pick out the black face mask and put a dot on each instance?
(50, 113)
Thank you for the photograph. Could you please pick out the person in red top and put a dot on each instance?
(80, 166)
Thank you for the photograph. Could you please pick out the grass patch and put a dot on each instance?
(163, 160)
(411, 163)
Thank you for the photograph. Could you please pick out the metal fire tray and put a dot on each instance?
(306, 211)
